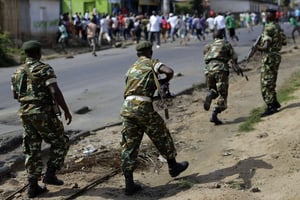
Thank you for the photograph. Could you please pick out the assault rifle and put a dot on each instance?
(238, 70)
(163, 95)
(166, 94)
(253, 49)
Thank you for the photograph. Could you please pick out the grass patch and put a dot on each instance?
(185, 184)
(254, 117)
(284, 94)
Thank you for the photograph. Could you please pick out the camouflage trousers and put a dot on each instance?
(50, 129)
(269, 72)
(217, 82)
(137, 120)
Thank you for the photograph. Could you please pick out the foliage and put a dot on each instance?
(286, 2)
(254, 117)
(284, 94)
(6, 51)
(182, 9)
(197, 6)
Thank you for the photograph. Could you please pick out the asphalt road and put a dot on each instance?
(98, 82)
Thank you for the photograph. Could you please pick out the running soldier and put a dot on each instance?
(139, 117)
(217, 57)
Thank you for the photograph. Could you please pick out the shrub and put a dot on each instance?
(7, 51)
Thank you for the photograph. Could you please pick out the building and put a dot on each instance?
(83, 6)
(26, 19)
(236, 6)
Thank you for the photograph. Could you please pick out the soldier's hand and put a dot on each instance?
(68, 117)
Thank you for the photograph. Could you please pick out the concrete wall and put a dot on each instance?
(238, 5)
(44, 16)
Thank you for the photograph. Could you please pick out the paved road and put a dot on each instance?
(98, 83)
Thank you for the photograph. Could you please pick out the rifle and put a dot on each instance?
(166, 94)
(163, 95)
(165, 85)
(253, 49)
(238, 70)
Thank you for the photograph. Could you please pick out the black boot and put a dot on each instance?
(210, 96)
(50, 177)
(276, 104)
(269, 110)
(130, 187)
(214, 116)
(34, 189)
(176, 168)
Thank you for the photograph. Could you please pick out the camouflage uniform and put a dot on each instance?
(30, 83)
(216, 57)
(139, 116)
(271, 60)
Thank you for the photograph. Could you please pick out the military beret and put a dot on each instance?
(31, 44)
(143, 46)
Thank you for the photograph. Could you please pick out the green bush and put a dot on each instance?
(7, 51)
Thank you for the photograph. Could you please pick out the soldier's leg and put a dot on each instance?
(161, 138)
(212, 93)
(32, 148)
(222, 88)
(52, 131)
(269, 72)
(33, 162)
(132, 135)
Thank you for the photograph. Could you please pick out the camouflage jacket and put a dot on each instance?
(217, 55)
(140, 79)
(29, 82)
(273, 33)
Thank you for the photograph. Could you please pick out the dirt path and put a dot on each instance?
(224, 164)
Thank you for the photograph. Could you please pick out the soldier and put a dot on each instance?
(139, 117)
(217, 56)
(34, 85)
(273, 38)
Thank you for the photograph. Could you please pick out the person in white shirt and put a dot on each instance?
(173, 22)
(104, 30)
(210, 24)
(87, 15)
(155, 24)
(220, 24)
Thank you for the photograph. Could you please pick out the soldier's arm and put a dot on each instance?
(264, 46)
(164, 69)
(206, 49)
(59, 99)
(266, 40)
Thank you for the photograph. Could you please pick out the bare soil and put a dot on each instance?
(225, 164)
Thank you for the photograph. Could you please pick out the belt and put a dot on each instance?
(139, 98)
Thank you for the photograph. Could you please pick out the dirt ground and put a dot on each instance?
(225, 164)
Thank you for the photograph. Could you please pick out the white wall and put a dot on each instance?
(237, 5)
(44, 16)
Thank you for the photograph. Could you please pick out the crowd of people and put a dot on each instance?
(153, 28)
(104, 29)
(34, 85)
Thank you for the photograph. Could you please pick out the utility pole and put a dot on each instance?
(166, 7)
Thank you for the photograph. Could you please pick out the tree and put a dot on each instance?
(197, 6)
(286, 2)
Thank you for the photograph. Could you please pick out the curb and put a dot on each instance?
(10, 165)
